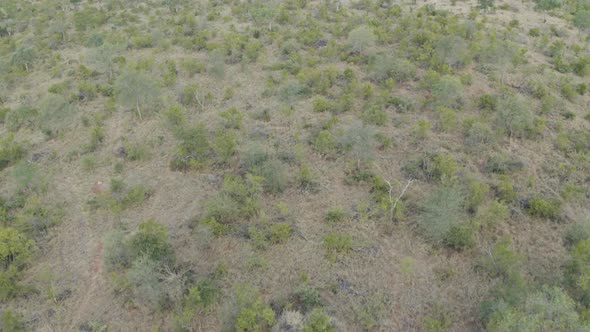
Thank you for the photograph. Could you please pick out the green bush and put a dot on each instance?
(15, 248)
(442, 213)
(549, 309)
(505, 190)
(452, 51)
(136, 90)
(55, 114)
(10, 151)
(448, 91)
(280, 232)
(231, 118)
(274, 174)
(336, 242)
(321, 104)
(151, 241)
(501, 260)
(224, 144)
(306, 298)
(117, 253)
(545, 208)
(22, 116)
(335, 215)
(252, 313)
(514, 116)
(319, 321)
(324, 143)
(361, 38)
(144, 279)
(12, 322)
(193, 150)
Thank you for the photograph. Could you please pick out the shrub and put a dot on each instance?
(549, 309)
(335, 242)
(12, 322)
(231, 118)
(306, 297)
(144, 278)
(582, 19)
(319, 321)
(442, 213)
(503, 164)
(444, 166)
(359, 140)
(448, 91)
(103, 59)
(274, 175)
(224, 145)
(514, 116)
(253, 314)
(335, 215)
(280, 232)
(384, 67)
(504, 189)
(55, 114)
(321, 104)
(136, 90)
(374, 116)
(545, 208)
(492, 214)
(22, 116)
(324, 142)
(151, 241)
(452, 51)
(193, 150)
(447, 118)
(117, 253)
(15, 248)
(237, 199)
(501, 260)
(192, 66)
(361, 38)
(10, 151)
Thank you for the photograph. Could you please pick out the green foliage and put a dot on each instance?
(22, 116)
(452, 51)
(103, 59)
(324, 143)
(538, 206)
(55, 114)
(144, 279)
(448, 91)
(117, 253)
(252, 313)
(231, 118)
(442, 214)
(23, 58)
(239, 198)
(514, 116)
(384, 67)
(321, 104)
(501, 260)
(359, 141)
(224, 144)
(193, 150)
(151, 241)
(319, 321)
(335, 215)
(136, 90)
(361, 38)
(439, 319)
(12, 322)
(10, 151)
(549, 309)
(274, 174)
(505, 190)
(336, 242)
(306, 297)
(15, 248)
(280, 232)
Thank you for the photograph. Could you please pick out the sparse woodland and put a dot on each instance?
(297, 165)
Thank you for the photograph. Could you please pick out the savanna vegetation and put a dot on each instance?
(297, 165)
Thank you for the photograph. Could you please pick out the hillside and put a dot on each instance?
(297, 165)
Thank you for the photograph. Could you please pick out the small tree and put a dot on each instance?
(23, 57)
(452, 50)
(514, 116)
(486, 5)
(152, 242)
(442, 212)
(448, 91)
(102, 58)
(359, 141)
(135, 89)
(361, 38)
(15, 247)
